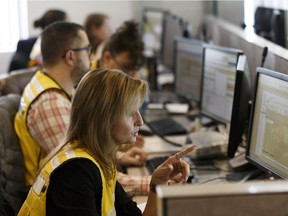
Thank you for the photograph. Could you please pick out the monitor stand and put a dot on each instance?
(247, 175)
(239, 163)
(243, 170)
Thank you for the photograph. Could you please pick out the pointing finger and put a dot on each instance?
(184, 152)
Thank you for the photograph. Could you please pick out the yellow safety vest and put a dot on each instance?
(35, 203)
(33, 154)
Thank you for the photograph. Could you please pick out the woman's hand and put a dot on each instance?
(139, 141)
(134, 156)
(173, 168)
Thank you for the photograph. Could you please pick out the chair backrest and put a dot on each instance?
(16, 81)
(21, 57)
(11, 159)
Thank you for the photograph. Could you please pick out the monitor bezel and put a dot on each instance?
(230, 50)
(173, 18)
(240, 102)
(277, 75)
(157, 10)
(193, 42)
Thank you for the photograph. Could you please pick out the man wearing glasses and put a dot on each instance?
(45, 106)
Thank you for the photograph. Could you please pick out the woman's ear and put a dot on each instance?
(106, 58)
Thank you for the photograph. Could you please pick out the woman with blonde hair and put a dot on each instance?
(79, 178)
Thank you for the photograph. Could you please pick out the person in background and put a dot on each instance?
(124, 50)
(44, 111)
(49, 17)
(98, 29)
(79, 177)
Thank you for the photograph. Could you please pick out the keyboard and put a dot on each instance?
(167, 126)
(153, 163)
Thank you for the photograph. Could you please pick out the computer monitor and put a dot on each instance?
(188, 68)
(172, 27)
(152, 30)
(240, 108)
(218, 82)
(270, 23)
(268, 126)
(262, 21)
(278, 27)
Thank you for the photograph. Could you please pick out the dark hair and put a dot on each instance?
(127, 38)
(56, 39)
(92, 21)
(49, 17)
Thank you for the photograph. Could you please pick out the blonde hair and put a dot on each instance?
(102, 97)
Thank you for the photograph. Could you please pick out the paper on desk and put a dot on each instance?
(155, 106)
(180, 108)
(154, 144)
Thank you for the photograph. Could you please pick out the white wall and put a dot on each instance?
(77, 11)
(192, 11)
(232, 11)
(4, 62)
(118, 11)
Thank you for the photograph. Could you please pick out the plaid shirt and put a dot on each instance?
(48, 119)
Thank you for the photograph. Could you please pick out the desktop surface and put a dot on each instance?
(253, 198)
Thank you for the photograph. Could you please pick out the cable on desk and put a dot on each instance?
(163, 137)
(212, 179)
(206, 168)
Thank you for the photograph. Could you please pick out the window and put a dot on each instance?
(13, 23)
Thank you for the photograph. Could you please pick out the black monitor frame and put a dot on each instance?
(240, 109)
(229, 50)
(188, 97)
(165, 50)
(260, 164)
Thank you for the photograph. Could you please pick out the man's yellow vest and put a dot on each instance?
(35, 203)
(33, 154)
(94, 64)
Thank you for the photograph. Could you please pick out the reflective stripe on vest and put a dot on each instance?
(32, 152)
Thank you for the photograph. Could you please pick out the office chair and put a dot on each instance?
(11, 160)
(21, 57)
(16, 81)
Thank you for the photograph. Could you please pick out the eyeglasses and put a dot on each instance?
(88, 49)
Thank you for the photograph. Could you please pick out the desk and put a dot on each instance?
(155, 147)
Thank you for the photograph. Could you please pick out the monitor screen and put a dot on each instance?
(218, 82)
(188, 68)
(268, 127)
(240, 110)
(152, 30)
(173, 27)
